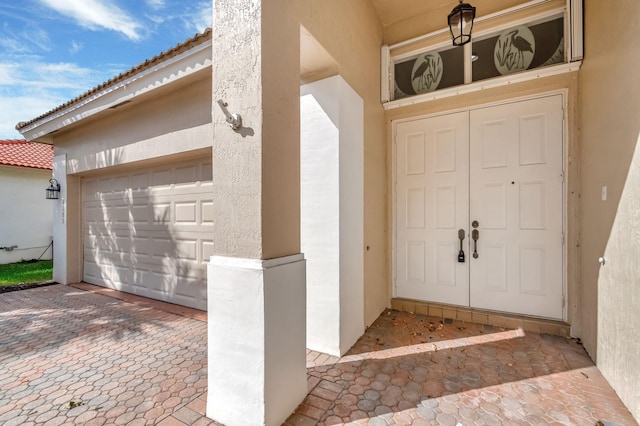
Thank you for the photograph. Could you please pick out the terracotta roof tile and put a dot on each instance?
(18, 152)
(179, 48)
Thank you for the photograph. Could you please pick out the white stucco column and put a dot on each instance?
(67, 226)
(332, 213)
(60, 221)
(256, 279)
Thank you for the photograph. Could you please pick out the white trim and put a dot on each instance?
(576, 24)
(485, 84)
(498, 14)
(187, 63)
(565, 203)
(565, 164)
(257, 264)
(385, 70)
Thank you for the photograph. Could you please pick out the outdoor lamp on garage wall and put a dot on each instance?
(461, 23)
(53, 191)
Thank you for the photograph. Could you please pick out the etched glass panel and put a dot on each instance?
(429, 71)
(518, 49)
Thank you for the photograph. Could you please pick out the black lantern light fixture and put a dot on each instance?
(461, 23)
(53, 191)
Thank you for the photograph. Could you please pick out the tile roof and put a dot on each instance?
(174, 51)
(18, 152)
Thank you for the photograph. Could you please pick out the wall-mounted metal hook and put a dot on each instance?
(233, 120)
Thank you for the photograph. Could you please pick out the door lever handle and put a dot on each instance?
(475, 234)
(461, 252)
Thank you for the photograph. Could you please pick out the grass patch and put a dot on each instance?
(26, 272)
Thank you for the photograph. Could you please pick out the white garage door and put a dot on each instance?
(149, 231)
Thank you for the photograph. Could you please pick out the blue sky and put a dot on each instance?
(54, 50)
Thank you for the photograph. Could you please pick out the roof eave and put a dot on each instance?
(165, 72)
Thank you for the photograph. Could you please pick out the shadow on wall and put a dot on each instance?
(618, 292)
(145, 232)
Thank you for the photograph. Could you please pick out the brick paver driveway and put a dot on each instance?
(68, 356)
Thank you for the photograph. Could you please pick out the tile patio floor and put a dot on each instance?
(138, 364)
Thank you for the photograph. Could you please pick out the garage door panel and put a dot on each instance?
(161, 178)
(149, 232)
(206, 250)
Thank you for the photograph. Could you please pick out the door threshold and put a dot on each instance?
(483, 317)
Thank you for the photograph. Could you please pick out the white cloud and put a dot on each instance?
(19, 76)
(31, 88)
(75, 46)
(14, 109)
(23, 41)
(96, 14)
(38, 37)
(155, 4)
(200, 18)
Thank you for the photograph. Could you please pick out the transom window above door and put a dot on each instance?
(533, 40)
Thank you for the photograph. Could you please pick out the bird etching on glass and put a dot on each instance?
(521, 45)
(514, 50)
(428, 73)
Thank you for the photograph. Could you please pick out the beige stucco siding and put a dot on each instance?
(351, 33)
(434, 17)
(609, 129)
(156, 125)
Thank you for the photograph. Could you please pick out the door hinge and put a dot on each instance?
(563, 302)
(562, 238)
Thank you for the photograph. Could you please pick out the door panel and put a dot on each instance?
(516, 196)
(500, 166)
(432, 204)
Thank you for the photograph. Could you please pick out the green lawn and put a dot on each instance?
(26, 272)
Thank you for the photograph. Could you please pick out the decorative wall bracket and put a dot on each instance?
(233, 120)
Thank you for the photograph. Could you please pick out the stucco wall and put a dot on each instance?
(351, 33)
(25, 214)
(156, 125)
(435, 18)
(331, 213)
(609, 130)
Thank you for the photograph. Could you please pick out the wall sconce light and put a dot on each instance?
(53, 191)
(461, 23)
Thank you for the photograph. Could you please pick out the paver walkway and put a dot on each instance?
(68, 356)
(416, 370)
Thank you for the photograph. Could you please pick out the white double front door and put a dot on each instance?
(493, 173)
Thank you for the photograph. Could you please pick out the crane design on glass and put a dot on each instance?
(427, 73)
(514, 50)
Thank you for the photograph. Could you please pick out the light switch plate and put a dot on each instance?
(604, 193)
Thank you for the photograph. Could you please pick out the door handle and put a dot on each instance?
(461, 252)
(475, 234)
